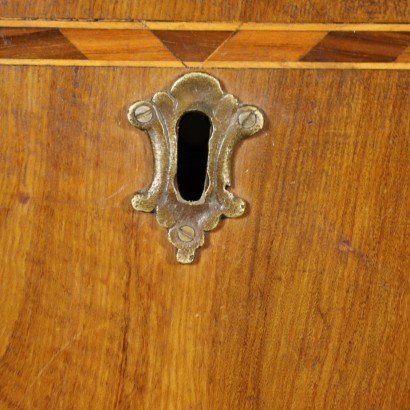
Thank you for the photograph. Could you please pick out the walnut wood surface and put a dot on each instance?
(302, 303)
(281, 11)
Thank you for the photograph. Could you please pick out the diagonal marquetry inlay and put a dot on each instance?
(37, 43)
(359, 47)
(129, 45)
(205, 45)
(192, 45)
(267, 45)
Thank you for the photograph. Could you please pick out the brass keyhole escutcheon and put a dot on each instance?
(193, 128)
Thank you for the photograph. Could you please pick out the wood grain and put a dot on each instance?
(302, 303)
(281, 11)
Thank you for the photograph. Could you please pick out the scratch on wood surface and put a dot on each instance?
(152, 32)
(114, 194)
(62, 349)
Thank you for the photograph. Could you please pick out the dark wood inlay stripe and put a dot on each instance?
(359, 47)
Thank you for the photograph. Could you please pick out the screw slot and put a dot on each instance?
(186, 233)
(143, 114)
(247, 119)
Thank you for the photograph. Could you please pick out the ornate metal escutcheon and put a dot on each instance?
(185, 218)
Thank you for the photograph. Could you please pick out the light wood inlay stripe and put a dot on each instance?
(301, 65)
(324, 27)
(100, 25)
(201, 26)
(209, 64)
(90, 63)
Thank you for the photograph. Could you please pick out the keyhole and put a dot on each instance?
(194, 130)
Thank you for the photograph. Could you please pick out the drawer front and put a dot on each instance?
(301, 303)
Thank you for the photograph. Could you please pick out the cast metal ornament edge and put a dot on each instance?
(231, 121)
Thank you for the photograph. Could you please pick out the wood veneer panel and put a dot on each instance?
(303, 300)
(281, 11)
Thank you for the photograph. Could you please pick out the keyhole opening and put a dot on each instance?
(194, 130)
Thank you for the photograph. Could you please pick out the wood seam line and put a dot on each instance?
(209, 64)
(72, 44)
(164, 45)
(202, 26)
(223, 43)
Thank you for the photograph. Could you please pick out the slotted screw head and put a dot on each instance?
(143, 114)
(247, 119)
(186, 233)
